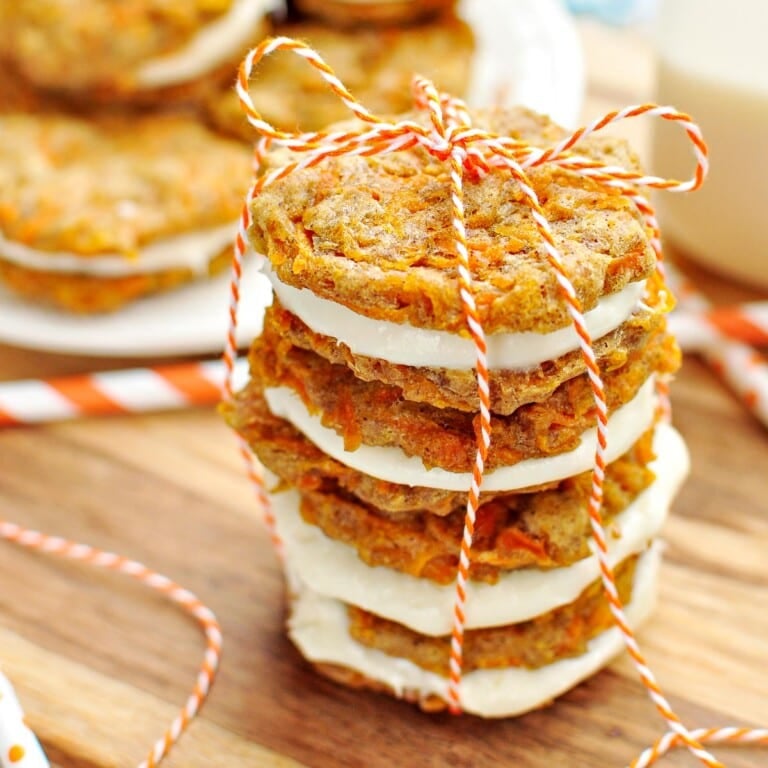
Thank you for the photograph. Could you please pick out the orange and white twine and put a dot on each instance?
(191, 604)
(742, 368)
(135, 390)
(745, 322)
(698, 329)
(451, 138)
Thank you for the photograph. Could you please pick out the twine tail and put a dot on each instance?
(252, 468)
(54, 545)
(731, 735)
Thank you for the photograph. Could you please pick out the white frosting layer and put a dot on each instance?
(390, 463)
(319, 627)
(407, 345)
(333, 569)
(192, 250)
(214, 44)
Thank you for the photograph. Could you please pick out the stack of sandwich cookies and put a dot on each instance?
(362, 404)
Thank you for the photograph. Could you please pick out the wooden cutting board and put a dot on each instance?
(101, 664)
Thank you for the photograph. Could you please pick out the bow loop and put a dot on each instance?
(452, 133)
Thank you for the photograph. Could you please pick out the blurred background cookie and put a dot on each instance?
(139, 50)
(375, 63)
(95, 214)
(346, 13)
(118, 178)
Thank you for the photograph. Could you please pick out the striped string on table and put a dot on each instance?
(698, 325)
(725, 336)
(743, 369)
(137, 390)
(16, 740)
(128, 391)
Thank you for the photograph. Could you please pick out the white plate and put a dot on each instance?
(190, 320)
(528, 52)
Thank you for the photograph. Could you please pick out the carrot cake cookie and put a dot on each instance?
(135, 50)
(95, 214)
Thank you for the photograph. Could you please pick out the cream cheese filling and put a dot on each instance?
(390, 463)
(334, 569)
(191, 250)
(227, 36)
(319, 627)
(407, 345)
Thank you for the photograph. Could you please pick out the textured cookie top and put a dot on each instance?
(376, 235)
(68, 45)
(114, 185)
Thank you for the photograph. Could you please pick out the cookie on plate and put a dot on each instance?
(347, 13)
(361, 404)
(128, 50)
(95, 214)
(376, 64)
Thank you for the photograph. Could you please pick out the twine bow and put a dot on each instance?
(469, 151)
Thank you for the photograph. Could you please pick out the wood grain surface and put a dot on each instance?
(101, 664)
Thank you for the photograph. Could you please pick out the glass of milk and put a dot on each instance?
(713, 64)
